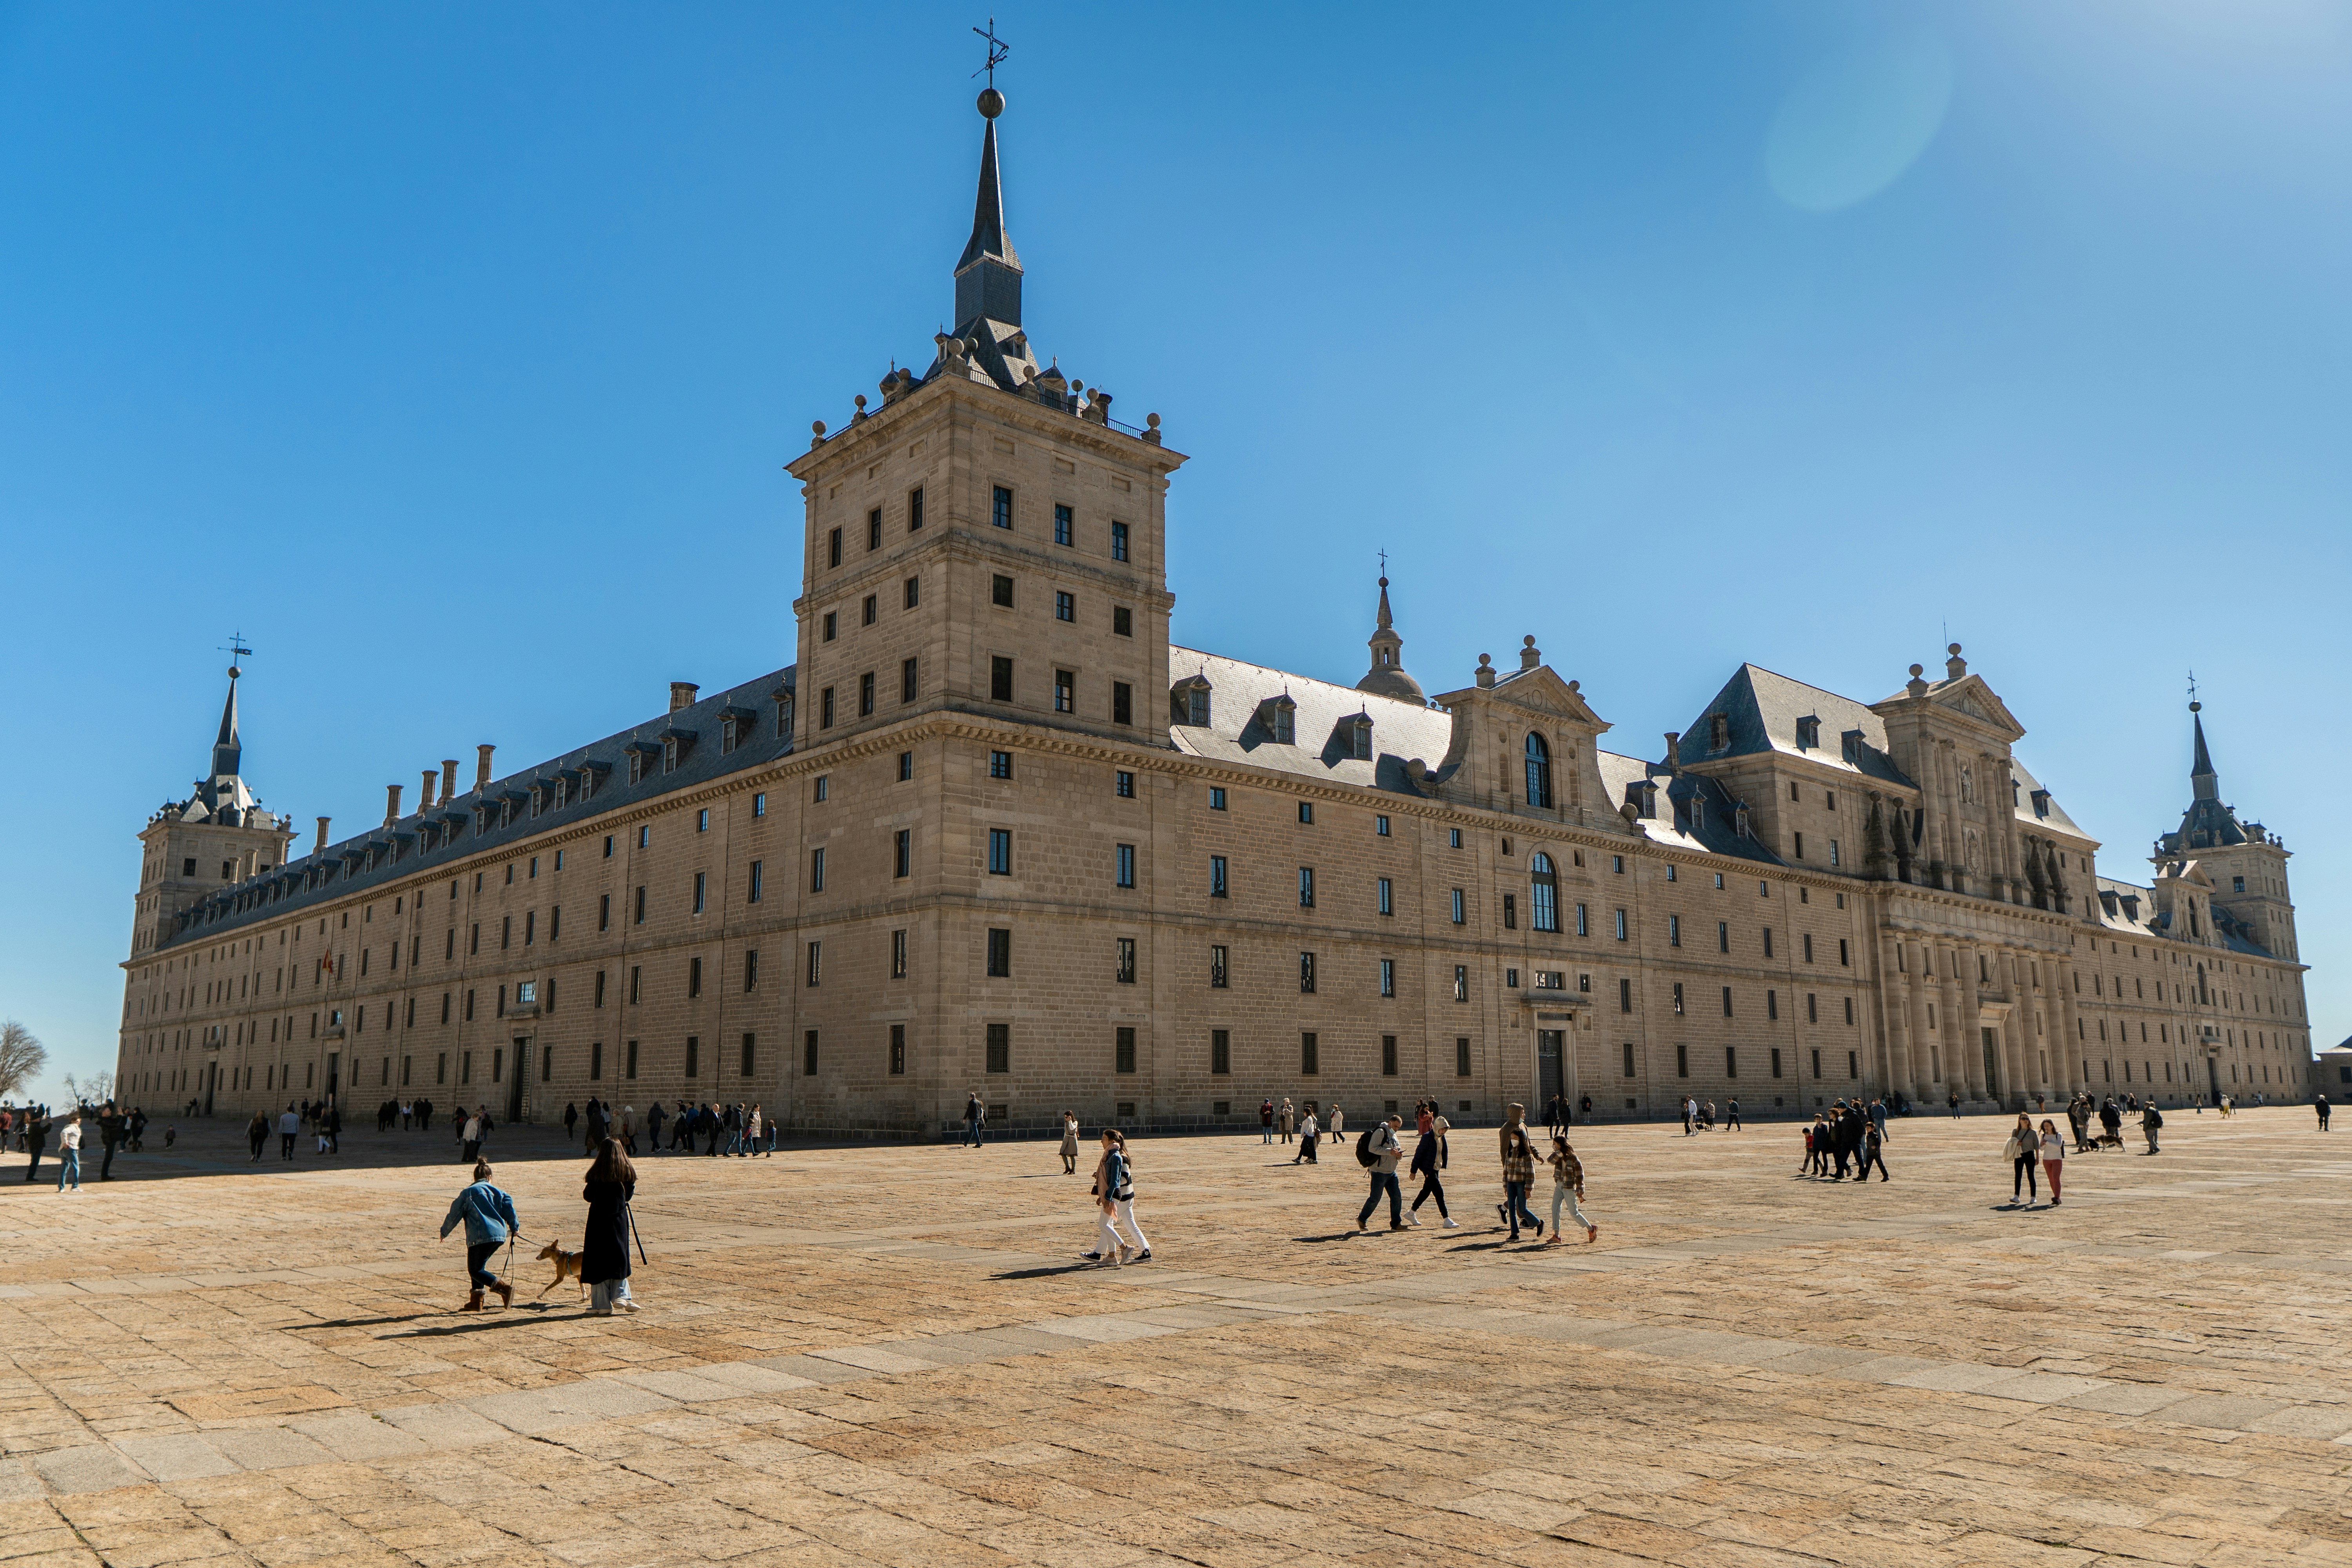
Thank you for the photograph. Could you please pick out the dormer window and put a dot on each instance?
(1279, 716)
(1739, 819)
(2042, 802)
(1719, 733)
(1359, 730)
(1809, 733)
(1697, 814)
(1188, 702)
(669, 754)
(1649, 801)
(591, 775)
(783, 694)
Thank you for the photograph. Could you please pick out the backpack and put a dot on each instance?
(2152, 1117)
(1364, 1155)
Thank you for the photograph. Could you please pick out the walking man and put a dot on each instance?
(110, 1135)
(1873, 1152)
(289, 1127)
(1730, 1124)
(1690, 1115)
(974, 1113)
(1382, 1145)
(1265, 1122)
(2150, 1120)
(2320, 1106)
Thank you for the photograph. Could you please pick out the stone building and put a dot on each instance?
(992, 830)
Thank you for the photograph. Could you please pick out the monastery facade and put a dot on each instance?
(992, 830)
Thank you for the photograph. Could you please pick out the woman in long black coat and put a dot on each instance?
(604, 1254)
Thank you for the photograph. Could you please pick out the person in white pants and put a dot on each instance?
(1114, 1201)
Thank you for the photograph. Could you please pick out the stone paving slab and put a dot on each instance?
(1747, 1370)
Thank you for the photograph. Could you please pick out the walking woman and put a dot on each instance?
(1307, 1137)
(489, 1216)
(2053, 1158)
(1568, 1187)
(1518, 1170)
(256, 1132)
(1286, 1120)
(1428, 1159)
(1114, 1201)
(604, 1253)
(2024, 1149)
(69, 1154)
(1069, 1142)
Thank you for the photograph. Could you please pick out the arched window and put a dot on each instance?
(1539, 771)
(1546, 892)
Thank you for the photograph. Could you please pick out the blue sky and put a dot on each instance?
(453, 353)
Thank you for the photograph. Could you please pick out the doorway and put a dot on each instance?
(1991, 1066)
(2213, 1077)
(516, 1079)
(212, 1081)
(1548, 1080)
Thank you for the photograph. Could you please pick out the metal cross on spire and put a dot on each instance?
(997, 50)
(1384, 563)
(2193, 704)
(236, 649)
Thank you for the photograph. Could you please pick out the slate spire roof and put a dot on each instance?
(988, 274)
(228, 751)
(1387, 677)
(221, 795)
(2207, 824)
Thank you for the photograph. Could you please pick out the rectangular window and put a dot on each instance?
(816, 871)
(1000, 1047)
(999, 679)
(866, 614)
(1457, 907)
(1844, 957)
(999, 764)
(1126, 865)
(1387, 898)
(1216, 797)
(1066, 691)
(1306, 887)
(1624, 996)
(1583, 921)
(702, 885)
(1309, 1057)
(1307, 972)
(751, 1042)
(1126, 961)
(1220, 1052)
(1620, 925)
(1772, 1005)
(833, 548)
(1629, 1058)
(629, 1066)
(909, 680)
(1388, 977)
(1848, 1009)
(825, 708)
(1805, 941)
(874, 529)
(1731, 1061)
(1833, 852)
(1776, 1061)
(604, 912)
(1673, 931)
(906, 767)
(1122, 621)
(1307, 811)
(1000, 952)
(816, 962)
(1218, 975)
(1123, 1049)
(599, 1001)
(1118, 542)
(1123, 784)
(1727, 1001)
(1122, 702)
(1388, 1055)
(1462, 982)
(903, 852)
(1723, 936)
(1768, 937)
(1216, 876)
(1682, 1061)
(694, 977)
(865, 694)
(831, 630)
(1678, 998)
(1454, 838)
(913, 510)
(897, 1049)
(1065, 605)
(750, 969)
(911, 591)
(1000, 852)
(1813, 1009)
(1000, 508)
(1061, 523)
(1510, 911)
(693, 1056)
(808, 1054)
(753, 882)
(897, 955)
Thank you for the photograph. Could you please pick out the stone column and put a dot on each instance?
(2061, 978)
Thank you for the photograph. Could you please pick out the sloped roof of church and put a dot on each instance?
(1237, 731)
(1763, 707)
(1715, 828)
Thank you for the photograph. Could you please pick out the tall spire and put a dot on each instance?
(228, 752)
(988, 274)
(1387, 677)
(2201, 777)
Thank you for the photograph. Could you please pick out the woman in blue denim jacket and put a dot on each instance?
(489, 1216)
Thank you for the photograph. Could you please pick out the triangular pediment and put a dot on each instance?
(1969, 696)
(1539, 691)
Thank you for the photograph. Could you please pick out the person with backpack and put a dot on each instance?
(1115, 1200)
(1518, 1171)
(1378, 1151)
(2150, 1120)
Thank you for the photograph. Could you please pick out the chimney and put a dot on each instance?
(482, 768)
(391, 804)
(449, 780)
(681, 694)
(424, 792)
(1674, 754)
(321, 843)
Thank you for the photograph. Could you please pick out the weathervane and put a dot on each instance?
(997, 50)
(1384, 563)
(2194, 706)
(237, 650)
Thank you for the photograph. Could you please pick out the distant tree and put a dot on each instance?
(22, 1058)
(95, 1089)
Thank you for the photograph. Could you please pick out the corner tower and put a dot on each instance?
(1387, 677)
(218, 835)
(2246, 864)
(989, 539)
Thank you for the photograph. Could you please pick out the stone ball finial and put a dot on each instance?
(860, 401)
(1152, 420)
(1384, 582)
(991, 103)
(1954, 650)
(2193, 706)
(1917, 670)
(1528, 641)
(816, 427)
(1484, 660)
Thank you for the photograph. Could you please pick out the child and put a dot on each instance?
(489, 1216)
(170, 1132)
(1568, 1187)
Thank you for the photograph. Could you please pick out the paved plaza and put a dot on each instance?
(891, 1355)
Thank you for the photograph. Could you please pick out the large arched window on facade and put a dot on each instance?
(1545, 895)
(1539, 771)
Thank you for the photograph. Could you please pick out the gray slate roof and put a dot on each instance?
(1713, 830)
(292, 888)
(1763, 707)
(1234, 734)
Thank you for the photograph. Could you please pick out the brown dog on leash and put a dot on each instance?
(567, 1267)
